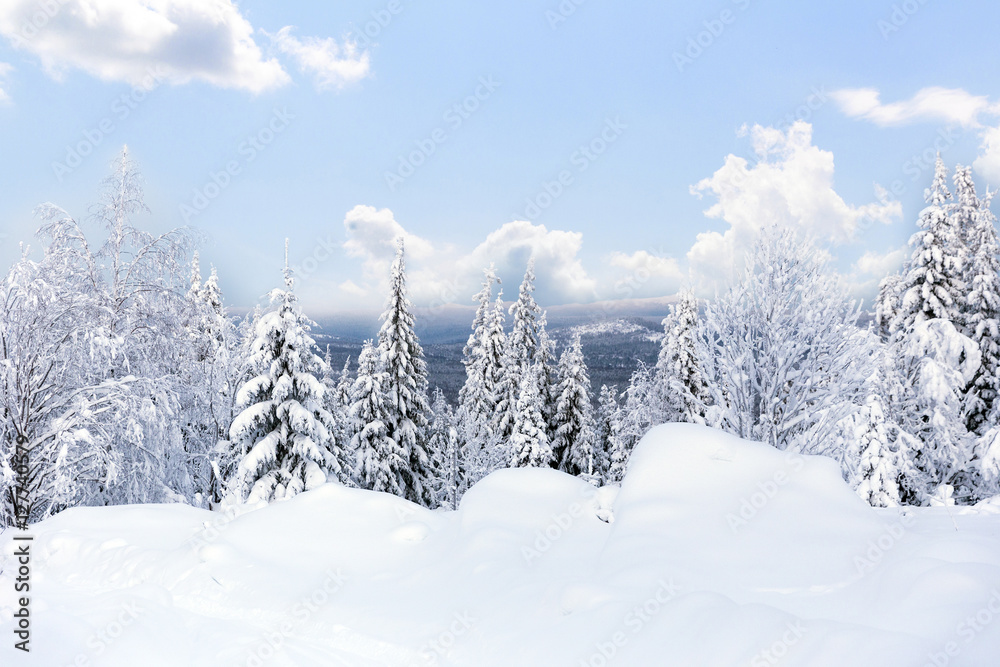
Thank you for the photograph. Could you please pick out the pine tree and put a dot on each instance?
(406, 386)
(482, 360)
(677, 371)
(380, 462)
(933, 286)
(548, 388)
(573, 444)
(983, 301)
(283, 425)
(607, 427)
(523, 341)
(519, 354)
(878, 470)
(444, 442)
(529, 444)
(937, 362)
(887, 305)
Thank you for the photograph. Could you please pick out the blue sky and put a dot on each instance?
(624, 124)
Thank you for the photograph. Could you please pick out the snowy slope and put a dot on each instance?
(720, 552)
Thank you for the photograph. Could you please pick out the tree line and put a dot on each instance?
(125, 380)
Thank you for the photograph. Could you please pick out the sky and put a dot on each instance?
(630, 148)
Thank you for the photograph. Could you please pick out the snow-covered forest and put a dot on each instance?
(125, 380)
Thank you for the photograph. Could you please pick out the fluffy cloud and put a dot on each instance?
(790, 185)
(126, 40)
(946, 105)
(332, 65)
(988, 162)
(444, 274)
(952, 106)
(872, 267)
(644, 274)
(372, 234)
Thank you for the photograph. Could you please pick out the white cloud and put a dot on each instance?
(791, 186)
(126, 40)
(445, 274)
(946, 105)
(333, 65)
(879, 265)
(643, 274)
(372, 234)
(988, 162)
(868, 272)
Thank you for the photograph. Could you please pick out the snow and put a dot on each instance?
(715, 551)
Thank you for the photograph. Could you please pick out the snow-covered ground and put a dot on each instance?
(718, 552)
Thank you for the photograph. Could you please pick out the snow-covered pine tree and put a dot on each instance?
(878, 470)
(529, 444)
(379, 460)
(607, 429)
(477, 397)
(639, 412)
(548, 388)
(677, 372)
(406, 386)
(887, 305)
(982, 304)
(523, 339)
(573, 444)
(937, 362)
(933, 285)
(340, 428)
(283, 427)
(444, 442)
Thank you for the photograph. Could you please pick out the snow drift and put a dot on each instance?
(716, 551)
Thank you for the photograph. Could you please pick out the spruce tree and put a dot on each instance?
(477, 397)
(523, 341)
(607, 426)
(879, 467)
(406, 385)
(444, 442)
(933, 285)
(573, 444)
(983, 301)
(529, 443)
(379, 460)
(677, 369)
(283, 427)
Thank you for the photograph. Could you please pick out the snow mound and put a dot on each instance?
(715, 551)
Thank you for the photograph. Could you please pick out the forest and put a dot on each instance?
(124, 379)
